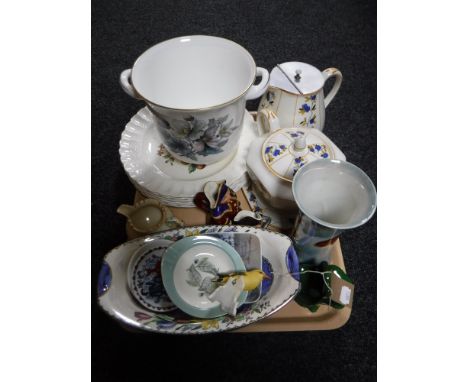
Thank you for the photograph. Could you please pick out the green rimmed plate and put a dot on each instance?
(189, 265)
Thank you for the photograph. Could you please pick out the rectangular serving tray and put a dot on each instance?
(290, 318)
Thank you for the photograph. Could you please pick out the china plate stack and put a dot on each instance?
(156, 174)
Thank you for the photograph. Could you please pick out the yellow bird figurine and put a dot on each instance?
(232, 285)
(251, 279)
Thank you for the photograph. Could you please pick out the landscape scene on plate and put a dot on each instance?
(192, 137)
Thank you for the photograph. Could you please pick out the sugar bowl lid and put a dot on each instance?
(297, 77)
(285, 151)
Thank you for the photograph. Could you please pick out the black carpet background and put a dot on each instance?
(339, 33)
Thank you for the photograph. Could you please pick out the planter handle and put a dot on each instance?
(126, 83)
(257, 90)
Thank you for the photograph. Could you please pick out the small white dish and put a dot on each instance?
(157, 174)
(188, 269)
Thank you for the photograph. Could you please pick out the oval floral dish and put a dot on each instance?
(279, 261)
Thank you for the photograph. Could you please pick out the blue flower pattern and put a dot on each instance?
(317, 150)
(307, 111)
(295, 134)
(274, 151)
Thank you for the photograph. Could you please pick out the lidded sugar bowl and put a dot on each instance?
(274, 159)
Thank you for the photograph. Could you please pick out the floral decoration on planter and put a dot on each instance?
(192, 137)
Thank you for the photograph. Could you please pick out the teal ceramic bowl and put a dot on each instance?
(189, 265)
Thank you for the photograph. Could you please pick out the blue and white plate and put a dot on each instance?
(188, 269)
(144, 277)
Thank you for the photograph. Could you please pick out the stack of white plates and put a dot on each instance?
(156, 174)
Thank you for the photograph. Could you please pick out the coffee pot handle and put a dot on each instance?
(328, 73)
(256, 91)
(126, 83)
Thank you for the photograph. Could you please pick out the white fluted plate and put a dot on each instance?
(157, 174)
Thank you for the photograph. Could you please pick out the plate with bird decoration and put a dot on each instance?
(190, 272)
(279, 262)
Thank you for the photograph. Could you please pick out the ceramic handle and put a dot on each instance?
(125, 210)
(126, 83)
(328, 73)
(268, 120)
(257, 90)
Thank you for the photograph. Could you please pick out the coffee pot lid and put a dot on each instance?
(285, 151)
(297, 77)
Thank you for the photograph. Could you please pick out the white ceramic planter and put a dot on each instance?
(198, 87)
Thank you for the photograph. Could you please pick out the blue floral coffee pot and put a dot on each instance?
(295, 96)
